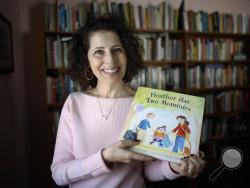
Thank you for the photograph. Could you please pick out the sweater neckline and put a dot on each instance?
(106, 98)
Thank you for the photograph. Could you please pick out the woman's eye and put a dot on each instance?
(117, 50)
(99, 52)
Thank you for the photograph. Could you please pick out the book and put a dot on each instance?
(168, 124)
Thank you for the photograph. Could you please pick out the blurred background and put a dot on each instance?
(196, 47)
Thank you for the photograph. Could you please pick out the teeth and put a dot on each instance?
(110, 70)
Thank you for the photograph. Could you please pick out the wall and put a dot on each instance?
(227, 6)
(24, 138)
(32, 19)
(13, 114)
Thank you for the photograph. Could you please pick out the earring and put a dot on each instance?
(88, 74)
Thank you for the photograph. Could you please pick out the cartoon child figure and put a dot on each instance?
(160, 136)
(159, 133)
(143, 126)
(166, 141)
(182, 130)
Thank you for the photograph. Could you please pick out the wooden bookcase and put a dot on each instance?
(224, 102)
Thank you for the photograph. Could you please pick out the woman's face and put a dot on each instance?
(107, 57)
(181, 120)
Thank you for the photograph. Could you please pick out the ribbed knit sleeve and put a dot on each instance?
(159, 170)
(65, 167)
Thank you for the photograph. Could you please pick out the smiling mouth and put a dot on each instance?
(111, 71)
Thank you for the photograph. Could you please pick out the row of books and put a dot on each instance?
(162, 16)
(228, 101)
(57, 51)
(214, 129)
(161, 47)
(63, 17)
(155, 48)
(227, 127)
(216, 22)
(170, 78)
(58, 88)
(239, 126)
(217, 75)
(204, 49)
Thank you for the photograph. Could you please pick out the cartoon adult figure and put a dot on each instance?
(182, 130)
(143, 126)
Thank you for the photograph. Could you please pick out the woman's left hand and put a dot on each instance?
(190, 167)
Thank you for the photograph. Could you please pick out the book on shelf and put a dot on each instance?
(168, 124)
(167, 77)
(58, 88)
(207, 49)
(216, 22)
(227, 102)
(63, 17)
(57, 51)
(217, 75)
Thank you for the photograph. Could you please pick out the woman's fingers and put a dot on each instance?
(195, 161)
(191, 168)
(135, 156)
(195, 166)
(127, 143)
(201, 154)
(183, 169)
(142, 157)
(118, 153)
(199, 161)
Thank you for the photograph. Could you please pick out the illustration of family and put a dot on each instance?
(160, 135)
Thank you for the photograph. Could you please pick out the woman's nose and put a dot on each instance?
(110, 59)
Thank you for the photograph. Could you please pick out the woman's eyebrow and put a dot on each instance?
(97, 48)
(117, 45)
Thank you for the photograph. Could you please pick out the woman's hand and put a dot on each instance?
(190, 167)
(119, 153)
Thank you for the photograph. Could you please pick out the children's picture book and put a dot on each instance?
(168, 124)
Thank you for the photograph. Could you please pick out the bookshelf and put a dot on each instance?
(210, 58)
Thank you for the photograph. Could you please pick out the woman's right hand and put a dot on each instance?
(118, 153)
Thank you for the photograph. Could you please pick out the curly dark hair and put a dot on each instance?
(78, 54)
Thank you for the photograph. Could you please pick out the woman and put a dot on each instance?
(105, 55)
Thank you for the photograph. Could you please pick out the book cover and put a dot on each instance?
(168, 124)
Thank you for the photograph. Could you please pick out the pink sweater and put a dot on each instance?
(83, 133)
